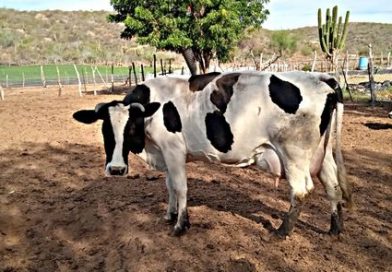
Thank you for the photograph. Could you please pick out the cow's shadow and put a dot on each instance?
(58, 196)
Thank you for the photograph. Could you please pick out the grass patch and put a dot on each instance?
(33, 72)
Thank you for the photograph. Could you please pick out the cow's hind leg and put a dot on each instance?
(329, 178)
(301, 185)
(171, 214)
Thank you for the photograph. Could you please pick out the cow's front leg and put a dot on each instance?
(171, 214)
(175, 162)
(180, 188)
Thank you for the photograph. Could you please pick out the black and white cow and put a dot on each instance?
(282, 122)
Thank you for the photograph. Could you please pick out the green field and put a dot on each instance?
(32, 73)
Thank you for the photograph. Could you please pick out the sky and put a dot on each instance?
(284, 14)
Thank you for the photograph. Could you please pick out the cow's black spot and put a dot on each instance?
(108, 137)
(334, 84)
(140, 94)
(218, 131)
(198, 82)
(330, 104)
(171, 118)
(221, 97)
(284, 94)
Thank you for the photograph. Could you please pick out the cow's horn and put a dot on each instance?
(138, 105)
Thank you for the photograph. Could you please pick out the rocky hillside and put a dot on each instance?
(85, 37)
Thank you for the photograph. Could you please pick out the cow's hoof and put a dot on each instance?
(183, 225)
(178, 231)
(170, 218)
(336, 224)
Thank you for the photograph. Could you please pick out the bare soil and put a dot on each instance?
(59, 213)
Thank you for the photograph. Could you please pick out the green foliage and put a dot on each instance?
(207, 26)
(333, 33)
(284, 41)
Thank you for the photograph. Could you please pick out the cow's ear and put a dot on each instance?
(151, 108)
(86, 116)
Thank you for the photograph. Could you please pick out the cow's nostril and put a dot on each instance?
(117, 170)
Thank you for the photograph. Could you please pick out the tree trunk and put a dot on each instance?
(190, 60)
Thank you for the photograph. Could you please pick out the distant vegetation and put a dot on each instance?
(86, 37)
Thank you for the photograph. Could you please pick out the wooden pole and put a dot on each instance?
(43, 77)
(373, 96)
(112, 77)
(1, 93)
(388, 59)
(130, 75)
(161, 66)
(155, 65)
(80, 83)
(23, 80)
(142, 70)
(94, 81)
(84, 79)
(59, 80)
(6, 81)
(134, 72)
(314, 60)
(170, 68)
(101, 77)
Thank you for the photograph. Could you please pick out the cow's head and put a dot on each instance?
(122, 129)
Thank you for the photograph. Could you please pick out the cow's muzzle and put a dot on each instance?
(117, 170)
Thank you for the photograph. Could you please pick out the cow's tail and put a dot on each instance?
(345, 186)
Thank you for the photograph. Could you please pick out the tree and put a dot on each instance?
(199, 30)
(284, 42)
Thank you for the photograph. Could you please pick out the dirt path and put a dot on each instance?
(59, 213)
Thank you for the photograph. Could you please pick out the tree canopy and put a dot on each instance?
(201, 28)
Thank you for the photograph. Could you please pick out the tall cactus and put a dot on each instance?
(333, 33)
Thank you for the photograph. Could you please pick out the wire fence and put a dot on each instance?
(354, 73)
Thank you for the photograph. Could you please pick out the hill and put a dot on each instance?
(85, 36)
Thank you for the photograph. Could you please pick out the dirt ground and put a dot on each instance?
(59, 213)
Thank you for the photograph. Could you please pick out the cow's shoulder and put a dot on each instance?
(221, 96)
(198, 82)
(284, 94)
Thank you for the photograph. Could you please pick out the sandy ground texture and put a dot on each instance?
(59, 213)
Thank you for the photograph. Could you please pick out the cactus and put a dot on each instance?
(333, 33)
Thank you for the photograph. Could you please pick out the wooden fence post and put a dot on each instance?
(43, 77)
(142, 70)
(134, 72)
(261, 61)
(23, 79)
(59, 80)
(80, 83)
(84, 79)
(1, 93)
(112, 77)
(155, 65)
(388, 59)
(101, 77)
(161, 67)
(170, 68)
(94, 81)
(371, 77)
(130, 75)
(314, 61)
